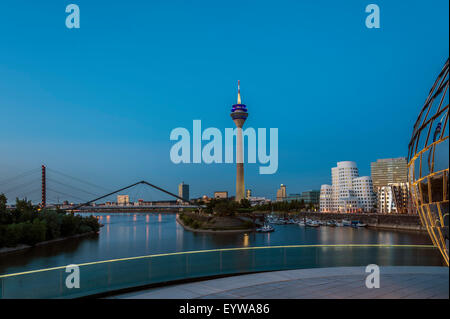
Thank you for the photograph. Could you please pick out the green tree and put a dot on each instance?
(34, 232)
(53, 222)
(245, 203)
(224, 207)
(3, 201)
(13, 234)
(5, 215)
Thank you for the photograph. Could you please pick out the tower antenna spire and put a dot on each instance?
(239, 92)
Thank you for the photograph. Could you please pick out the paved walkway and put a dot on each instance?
(316, 283)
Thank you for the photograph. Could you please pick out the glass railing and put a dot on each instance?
(112, 275)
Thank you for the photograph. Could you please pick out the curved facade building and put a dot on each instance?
(363, 190)
(326, 201)
(349, 193)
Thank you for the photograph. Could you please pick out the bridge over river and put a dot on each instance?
(124, 209)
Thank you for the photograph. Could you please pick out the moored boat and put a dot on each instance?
(265, 229)
(331, 223)
(312, 223)
(359, 224)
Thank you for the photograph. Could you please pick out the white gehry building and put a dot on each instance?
(393, 198)
(326, 202)
(349, 193)
(363, 190)
(386, 203)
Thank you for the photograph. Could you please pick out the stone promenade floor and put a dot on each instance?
(316, 283)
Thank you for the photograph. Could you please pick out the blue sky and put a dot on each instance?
(100, 102)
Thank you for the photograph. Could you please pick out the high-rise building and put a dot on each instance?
(123, 200)
(349, 193)
(248, 193)
(281, 193)
(387, 171)
(183, 191)
(239, 115)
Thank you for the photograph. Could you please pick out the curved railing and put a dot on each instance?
(111, 275)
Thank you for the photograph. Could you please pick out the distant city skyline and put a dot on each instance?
(99, 102)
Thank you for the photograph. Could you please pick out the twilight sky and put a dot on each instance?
(100, 102)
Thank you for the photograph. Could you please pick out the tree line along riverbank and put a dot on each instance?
(26, 225)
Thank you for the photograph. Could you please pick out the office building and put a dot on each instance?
(123, 200)
(281, 193)
(387, 171)
(311, 197)
(183, 191)
(292, 197)
(221, 194)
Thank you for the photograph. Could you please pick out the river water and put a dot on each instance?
(136, 234)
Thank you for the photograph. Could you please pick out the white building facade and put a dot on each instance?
(326, 201)
(363, 190)
(394, 199)
(349, 193)
(386, 204)
(123, 200)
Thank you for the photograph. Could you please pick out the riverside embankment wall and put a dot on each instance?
(391, 221)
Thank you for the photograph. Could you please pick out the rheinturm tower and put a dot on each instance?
(239, 115)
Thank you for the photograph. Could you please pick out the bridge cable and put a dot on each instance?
(20, 186)
(70, 186)
(78, 179)
(24, 174)
(65, 194)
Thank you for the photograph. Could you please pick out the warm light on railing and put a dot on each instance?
(114, 274)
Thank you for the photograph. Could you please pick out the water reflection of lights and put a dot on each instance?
(107, 228)
(179, 236)
(159, 227)
(147, 233)
(147, 218)
(134, 217)
(107, 236)
(246, 240)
